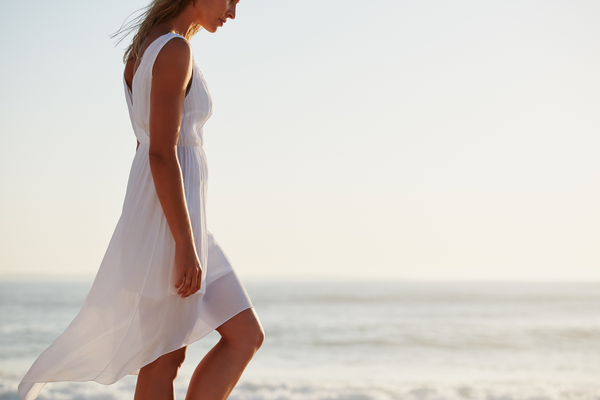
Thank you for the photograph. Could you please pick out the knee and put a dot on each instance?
(243, 332)
(166, 366)
(247, 341)
(258, 338)
(253, 339)
(178, 359)
(175, 361)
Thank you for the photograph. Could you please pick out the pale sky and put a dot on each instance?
(350, 139)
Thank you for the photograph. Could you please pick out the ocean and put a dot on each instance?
(361, 341)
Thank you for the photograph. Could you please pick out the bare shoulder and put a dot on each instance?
(174, 57)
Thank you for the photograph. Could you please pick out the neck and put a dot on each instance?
(182, 23)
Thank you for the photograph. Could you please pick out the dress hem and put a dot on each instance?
(27, 396)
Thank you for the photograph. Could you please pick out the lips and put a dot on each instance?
(222, 22)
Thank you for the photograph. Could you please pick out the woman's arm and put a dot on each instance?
(171, 72)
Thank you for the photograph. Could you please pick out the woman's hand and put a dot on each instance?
(188, 270)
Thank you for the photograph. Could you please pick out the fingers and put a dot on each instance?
(199, 280)
(192, 282)
(183, 286)
(179, 282)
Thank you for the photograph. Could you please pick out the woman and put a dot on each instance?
(164, 282)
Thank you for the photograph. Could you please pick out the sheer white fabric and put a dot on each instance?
(132, 314)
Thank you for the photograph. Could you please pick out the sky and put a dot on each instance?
(380, 139)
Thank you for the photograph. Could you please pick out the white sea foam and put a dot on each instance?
(123, 390)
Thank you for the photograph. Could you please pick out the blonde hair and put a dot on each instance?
(158, 11)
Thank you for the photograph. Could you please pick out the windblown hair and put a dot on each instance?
(158, 11)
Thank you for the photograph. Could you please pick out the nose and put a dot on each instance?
(231, 12)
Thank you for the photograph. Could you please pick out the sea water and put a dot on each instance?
(361, 341)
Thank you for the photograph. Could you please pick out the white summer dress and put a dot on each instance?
(132, 314)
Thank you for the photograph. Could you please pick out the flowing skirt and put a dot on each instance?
(132, 314)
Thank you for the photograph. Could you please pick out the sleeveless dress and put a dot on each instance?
(132, 314)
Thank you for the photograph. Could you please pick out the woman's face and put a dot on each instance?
(212, 14)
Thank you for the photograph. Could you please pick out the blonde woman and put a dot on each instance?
(164, 282)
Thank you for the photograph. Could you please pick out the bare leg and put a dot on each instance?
(155, 381)
(221, 368)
